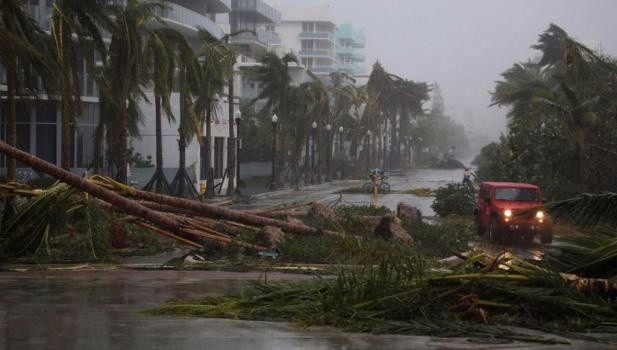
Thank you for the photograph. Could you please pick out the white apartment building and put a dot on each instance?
(309, 32)
(39, 125)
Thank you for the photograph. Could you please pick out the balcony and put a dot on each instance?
(259, 10)
(317, 36)
(219, 6)
(352, 53)
(182, 17)
(321, 70)
(315, 53)
(350, 68)
(348, 34)
(261, 37)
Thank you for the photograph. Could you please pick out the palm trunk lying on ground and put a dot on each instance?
(211, 211)
(181, 230)
(112, 192)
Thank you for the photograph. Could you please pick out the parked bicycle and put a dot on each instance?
(378, 179)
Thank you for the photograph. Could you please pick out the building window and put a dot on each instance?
(46, 131)
(83, 140)
(219, 146)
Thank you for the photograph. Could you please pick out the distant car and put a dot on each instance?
(508, 210)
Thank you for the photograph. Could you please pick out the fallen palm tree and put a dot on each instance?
(173, 217)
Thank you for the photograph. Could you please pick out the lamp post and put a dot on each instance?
(340, 139)
(275, 120)
(313, 132)
(238, 146)
(329, 155)
(368, 149)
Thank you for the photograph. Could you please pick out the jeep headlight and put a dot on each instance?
(507, 213)
(540, 215)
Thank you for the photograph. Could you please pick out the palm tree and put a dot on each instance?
(160, 62)
(273, 73)
(124, 77)
(20, 42)
(558, 86)
(216, 67)
(191, 122)
(84, 20)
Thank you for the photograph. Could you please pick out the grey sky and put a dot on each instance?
(465, 44)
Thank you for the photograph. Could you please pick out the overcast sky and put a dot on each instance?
(464, 45)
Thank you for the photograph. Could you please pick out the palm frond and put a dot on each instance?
(588, 210)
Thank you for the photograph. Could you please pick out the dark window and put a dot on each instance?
(219, 146)
(46, 112)
(46, 142)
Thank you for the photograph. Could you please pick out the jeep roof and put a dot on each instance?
(510, 184)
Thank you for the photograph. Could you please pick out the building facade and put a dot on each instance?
(309, 33)
(349, 56)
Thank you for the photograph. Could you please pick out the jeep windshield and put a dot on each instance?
(516, 194)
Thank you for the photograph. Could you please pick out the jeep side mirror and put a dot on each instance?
(487, 200)
(544, 200)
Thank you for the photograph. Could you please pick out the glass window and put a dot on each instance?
(219, 146)
(46, 142)
(517, 194)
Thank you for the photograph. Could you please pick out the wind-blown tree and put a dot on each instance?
(160, 63)
(565, 90)
(20, 42)
(273, 73)
(410, 98)
(84, 21)
(191, 122)
(124, 78)
(216, 60)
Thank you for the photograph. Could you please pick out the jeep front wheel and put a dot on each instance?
(546, 237)
(493, 231)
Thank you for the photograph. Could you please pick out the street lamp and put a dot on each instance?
(313, 132)
(238, 118)
(368, 149)
(340, 139)
(275, 120)
(329, 155)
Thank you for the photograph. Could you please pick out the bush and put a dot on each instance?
(442, 239)
(455, 199)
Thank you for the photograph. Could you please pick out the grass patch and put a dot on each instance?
(443, 238)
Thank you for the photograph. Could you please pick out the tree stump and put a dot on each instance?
(270, 237)
(389, 228)
(408, 213)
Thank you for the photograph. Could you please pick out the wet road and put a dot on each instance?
(68, 310)
(399, 182)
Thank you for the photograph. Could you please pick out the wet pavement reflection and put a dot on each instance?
(99, 310)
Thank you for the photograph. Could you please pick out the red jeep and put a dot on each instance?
(507, 210)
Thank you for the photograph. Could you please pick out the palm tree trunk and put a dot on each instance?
(11, 131)
(307, 161)
(159, 138)
(181, 190)
(123, 150)
(126, 205)
(67, 91)
(231, 142)
(209, 166)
